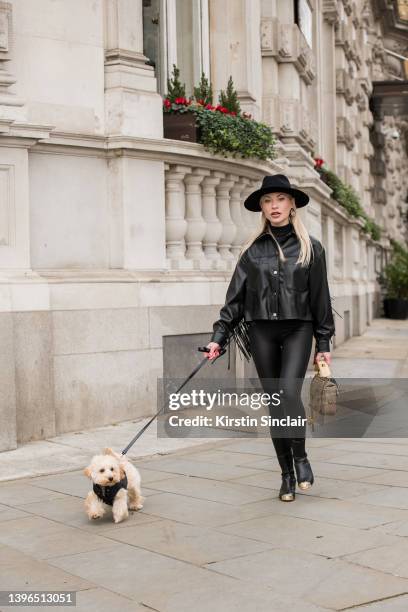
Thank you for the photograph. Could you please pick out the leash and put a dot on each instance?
(203, 349)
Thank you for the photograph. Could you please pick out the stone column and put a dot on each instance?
(213, 228)
(224, 215)
(11, 107)
(237, 216)
(133, 106)
(176, 223)
(196, 225)
(236, 50)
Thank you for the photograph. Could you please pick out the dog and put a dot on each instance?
(116, 483)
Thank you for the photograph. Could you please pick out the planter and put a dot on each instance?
(395, 308)
(181, 126)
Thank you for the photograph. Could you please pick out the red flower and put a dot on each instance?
(319, 162)
(209, 107)
(233, 113)
(167, 103)
(182, 101)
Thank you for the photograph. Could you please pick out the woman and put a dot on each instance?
(280, 287)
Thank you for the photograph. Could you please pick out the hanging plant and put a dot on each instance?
(231, 135)
(346, 196)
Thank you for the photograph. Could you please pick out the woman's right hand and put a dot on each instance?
(214, 350)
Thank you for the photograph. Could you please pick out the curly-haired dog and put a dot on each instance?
(116, 482)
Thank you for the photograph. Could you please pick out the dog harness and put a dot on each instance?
(108, 494)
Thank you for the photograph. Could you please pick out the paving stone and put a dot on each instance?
(330, 583)
(194, 511)
(324, 469)
(102, 600)
(203, 488)
(8, 513)
(72, 483)
(374, 460)
(340, 489)
(392, 478)
(22, 572)
(393, 604)
(397, 528)
(259, 446)
(332, 511)
(223, 458)
(71, 511)
(322, 487)
(146, 577)
(309, 536)
(367, 447)
(193, 543)
(232, 598)
(203, 469)
(392, 497)
(42, 539)
(18, 494)
(391, 558)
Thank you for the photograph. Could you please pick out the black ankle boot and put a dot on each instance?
(288, 487)
(303, 468)
(284, 455)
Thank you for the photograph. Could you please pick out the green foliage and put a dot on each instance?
(349, 200)
(223, 129)
(235, 136)
(229, 98)
(394, 278)
(175, 88)
(204, 93)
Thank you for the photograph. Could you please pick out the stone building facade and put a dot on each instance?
(117, 245)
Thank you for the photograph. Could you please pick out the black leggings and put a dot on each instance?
(281, 351)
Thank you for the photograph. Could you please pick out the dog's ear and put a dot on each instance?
(122, 472)
(87, 472)
(108, 451)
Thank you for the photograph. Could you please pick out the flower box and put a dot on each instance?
(181, 126)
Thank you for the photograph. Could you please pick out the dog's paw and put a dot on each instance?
(135, 507)
(95, 516)
(119, 518)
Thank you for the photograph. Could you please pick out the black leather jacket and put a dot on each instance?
(263, 287)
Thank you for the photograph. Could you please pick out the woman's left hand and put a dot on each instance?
(325, 356)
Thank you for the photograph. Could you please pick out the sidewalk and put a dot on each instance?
(212, 533)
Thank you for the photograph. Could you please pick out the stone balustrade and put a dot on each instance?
(206, 222)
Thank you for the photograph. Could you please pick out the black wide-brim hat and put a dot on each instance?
(271, 183)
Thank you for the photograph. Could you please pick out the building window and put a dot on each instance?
(303, 18)
(177, 32)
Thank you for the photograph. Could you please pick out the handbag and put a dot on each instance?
(323, 391)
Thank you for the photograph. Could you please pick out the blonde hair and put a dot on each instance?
(300, 230)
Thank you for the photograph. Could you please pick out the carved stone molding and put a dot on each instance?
(295, 122)
(6, 29)
(330, 10)
(348, 6)
(7, 206)
(345, 132)
(270, 110)
(269, 35)
(345, 85)
(292, 47)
